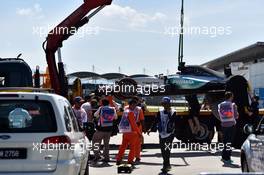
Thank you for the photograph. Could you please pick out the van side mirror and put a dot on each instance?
(248, 129)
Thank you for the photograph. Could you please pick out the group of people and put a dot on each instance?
(131, 126)
(101, 113)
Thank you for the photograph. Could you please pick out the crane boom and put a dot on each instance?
(181, 64)
(62, 32)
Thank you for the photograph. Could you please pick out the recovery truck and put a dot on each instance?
(188, 81)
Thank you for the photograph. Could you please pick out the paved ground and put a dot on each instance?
(183, 162)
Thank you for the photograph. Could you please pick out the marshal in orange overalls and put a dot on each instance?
(130, 134)
(139, 140)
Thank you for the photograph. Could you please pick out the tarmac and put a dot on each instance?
(183, 161)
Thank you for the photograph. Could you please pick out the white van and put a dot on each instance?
(39, 134)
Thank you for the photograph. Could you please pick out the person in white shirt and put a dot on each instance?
(88, 108)
(89, 126)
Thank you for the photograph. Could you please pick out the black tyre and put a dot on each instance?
(126, 93)
(203, 134)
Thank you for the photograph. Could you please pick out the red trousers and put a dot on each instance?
(129, 139)
(139, 140)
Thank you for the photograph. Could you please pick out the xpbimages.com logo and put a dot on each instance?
(197, 146)
(43, 31)
(131, 89)
(42, 147)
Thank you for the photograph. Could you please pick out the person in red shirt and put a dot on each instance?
(131, 132)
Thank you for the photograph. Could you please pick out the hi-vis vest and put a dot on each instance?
(107, 115)
(166, 126)
(124, 125)
(226, 111)
(136, 113)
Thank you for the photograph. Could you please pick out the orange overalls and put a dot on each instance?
(139, 139)
(129, 138)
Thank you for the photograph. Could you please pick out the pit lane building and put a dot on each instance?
(249, 62)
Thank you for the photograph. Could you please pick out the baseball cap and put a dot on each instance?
(78, 99)
(166, 100)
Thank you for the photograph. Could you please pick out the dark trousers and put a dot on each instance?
(97, 141)
(228, 136)
(165, 146)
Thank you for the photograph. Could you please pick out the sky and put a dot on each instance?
(132, 36)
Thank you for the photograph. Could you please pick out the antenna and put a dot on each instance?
(144, 71)
(181, 64)
(19, 55)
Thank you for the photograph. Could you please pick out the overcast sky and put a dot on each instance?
(132, 34)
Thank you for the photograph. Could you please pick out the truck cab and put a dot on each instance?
(15, 72)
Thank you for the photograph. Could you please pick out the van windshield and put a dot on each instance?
(22, 116)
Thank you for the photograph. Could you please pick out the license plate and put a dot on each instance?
(13, 153)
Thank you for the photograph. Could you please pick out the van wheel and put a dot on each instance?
(244, 165)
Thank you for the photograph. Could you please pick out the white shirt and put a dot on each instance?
(87, 106)
(88, 109)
